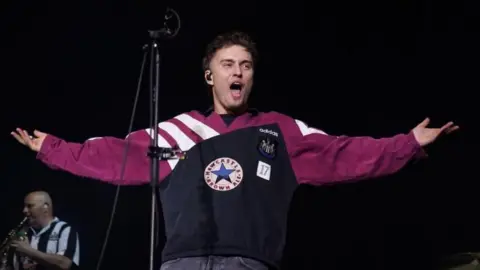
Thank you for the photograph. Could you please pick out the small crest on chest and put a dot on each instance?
(54, 236)
(267, 146)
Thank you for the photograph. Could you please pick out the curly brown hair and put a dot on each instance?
(226, 40)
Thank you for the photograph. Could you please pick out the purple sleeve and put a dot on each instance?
(102, 158)
(318, 158)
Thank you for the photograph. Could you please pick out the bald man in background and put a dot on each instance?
(51, 242)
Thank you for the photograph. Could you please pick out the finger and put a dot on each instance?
(446, 126)
(28, 137)
(425, 122)
(23, 134)
(18, 137)
(38, 133)
(452, 129)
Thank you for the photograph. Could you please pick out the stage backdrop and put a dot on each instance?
(356, 68)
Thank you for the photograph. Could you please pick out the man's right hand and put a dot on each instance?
(33, 142)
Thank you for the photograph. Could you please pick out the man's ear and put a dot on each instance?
(208, 77)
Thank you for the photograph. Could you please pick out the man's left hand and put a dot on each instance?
(21, 246)
(425, 135)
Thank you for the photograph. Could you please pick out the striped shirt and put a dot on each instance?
(56, 238)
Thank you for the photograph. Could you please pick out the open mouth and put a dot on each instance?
(236, 89)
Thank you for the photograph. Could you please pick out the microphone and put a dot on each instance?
(167, 153)
(167, 32)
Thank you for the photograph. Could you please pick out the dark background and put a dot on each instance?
(347, 67)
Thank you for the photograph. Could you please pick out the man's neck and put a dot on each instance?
(223, 111)
(45, 222)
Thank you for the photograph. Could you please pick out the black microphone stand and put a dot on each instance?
(157, 153)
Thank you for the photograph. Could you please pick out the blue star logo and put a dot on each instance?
(223, 174)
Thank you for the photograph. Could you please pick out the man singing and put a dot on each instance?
(51, 243)
(226, 203)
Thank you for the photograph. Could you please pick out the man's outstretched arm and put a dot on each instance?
(113, 160)
(318, 158)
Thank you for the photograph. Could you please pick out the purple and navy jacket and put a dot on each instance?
(231, 194)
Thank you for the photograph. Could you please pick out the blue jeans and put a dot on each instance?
(213, 263)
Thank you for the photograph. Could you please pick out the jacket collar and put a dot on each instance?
(209, 111)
